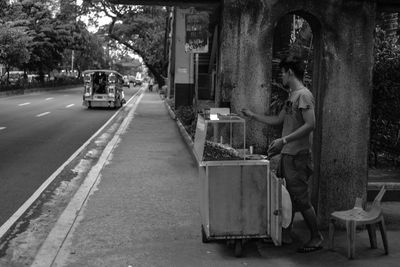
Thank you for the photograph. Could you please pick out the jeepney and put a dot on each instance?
(103, 88)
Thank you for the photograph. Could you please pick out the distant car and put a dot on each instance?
(32, 77)
(131, 80)
(15, 76)
(126, 80)
(138, 82)
(103, 88)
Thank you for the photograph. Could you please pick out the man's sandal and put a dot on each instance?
(307, 249)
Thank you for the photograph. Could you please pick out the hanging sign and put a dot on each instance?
(196, 33)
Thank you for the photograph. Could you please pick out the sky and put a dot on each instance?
(102, 21)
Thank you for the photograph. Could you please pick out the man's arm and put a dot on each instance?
(271, 120)
(306, 128)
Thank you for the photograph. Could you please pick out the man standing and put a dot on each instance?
(151, 82)
(298, 119)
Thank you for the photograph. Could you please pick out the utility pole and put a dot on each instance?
(72, 62)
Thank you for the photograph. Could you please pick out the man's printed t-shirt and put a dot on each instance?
(298, 100)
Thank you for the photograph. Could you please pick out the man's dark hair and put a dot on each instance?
(296, 64)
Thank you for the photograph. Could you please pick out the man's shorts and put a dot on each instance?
(297, 169)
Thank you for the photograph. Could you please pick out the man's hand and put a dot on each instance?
(247, 112)
(275, 147)
(271, 120)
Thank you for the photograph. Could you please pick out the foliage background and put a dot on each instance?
(40, 37)
(139, 29)
(385, 112)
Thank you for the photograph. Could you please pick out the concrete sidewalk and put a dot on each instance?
(144, 211)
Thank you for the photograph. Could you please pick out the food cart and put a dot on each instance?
(239, 199)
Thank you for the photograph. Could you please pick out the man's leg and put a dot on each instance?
(297, 172)
(287, 235)
(286, 232)
(315, 235)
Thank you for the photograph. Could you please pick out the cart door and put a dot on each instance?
(275, 208)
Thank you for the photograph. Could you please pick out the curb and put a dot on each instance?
(372, 186)
(186, 137)
(170, 111)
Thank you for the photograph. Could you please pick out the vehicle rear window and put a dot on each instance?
(112, 78)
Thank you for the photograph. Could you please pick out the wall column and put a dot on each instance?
(183, 83)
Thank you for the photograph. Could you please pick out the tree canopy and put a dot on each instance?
(45, 35)
(140, 29)
(38, 35)
(14, 46)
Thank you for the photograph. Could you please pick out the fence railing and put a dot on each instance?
(23, 85)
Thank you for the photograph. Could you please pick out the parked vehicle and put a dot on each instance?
(32, 78)
(126, 80)
(138, 82)
(15, 76)
(103, 88)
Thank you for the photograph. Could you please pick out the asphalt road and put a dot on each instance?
(38, 133)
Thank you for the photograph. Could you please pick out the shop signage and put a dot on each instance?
(196, 33)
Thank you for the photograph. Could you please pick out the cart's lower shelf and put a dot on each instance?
(239, 201)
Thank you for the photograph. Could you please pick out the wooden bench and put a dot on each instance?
(358, 216)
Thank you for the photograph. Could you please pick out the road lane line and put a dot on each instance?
(49, 98)
(24, 104)
(11, 221)
(42, 114)
(2, 128)
(71, 105)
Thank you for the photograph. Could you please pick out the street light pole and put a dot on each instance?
(72, 62)
(196, 85)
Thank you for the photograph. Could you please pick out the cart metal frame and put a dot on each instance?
(239, 199)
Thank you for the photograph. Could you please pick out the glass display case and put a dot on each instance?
(239, 199)
(214, 138)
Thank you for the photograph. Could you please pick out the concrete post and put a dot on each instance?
(345, 102)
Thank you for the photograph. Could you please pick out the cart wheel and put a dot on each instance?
(204, 238)
(239, 248)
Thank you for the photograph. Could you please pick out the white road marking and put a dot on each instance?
(42, 114)
(49, 98)
(24, 104)
(71, 105)
(2, 128)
